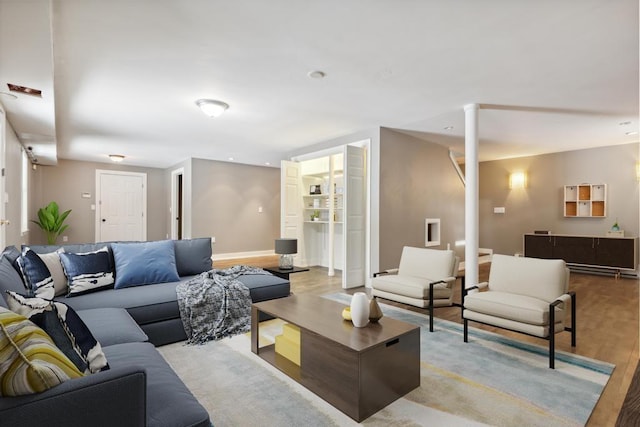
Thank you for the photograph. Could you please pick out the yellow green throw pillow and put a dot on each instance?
(29, 360)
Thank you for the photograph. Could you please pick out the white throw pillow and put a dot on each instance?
(52, 261)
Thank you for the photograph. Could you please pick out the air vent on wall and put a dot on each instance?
(25, 90)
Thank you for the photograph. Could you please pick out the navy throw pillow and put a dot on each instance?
(36, 275)
(87, 272)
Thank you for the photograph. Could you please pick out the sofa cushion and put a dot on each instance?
(519, 308)
(10, 280)
(146, 304)
(87, 271)
(523, 275)
(431, 263)
(29, 360)
(65, 328)
(112, 326)
(265, 287)
(169, 401)
(36, 275)
(53, 263)
(413, 287)
(193, 256)
(144, 263)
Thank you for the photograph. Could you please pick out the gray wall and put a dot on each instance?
(540, 205)
(225, 201)
(65, 183)
(13, 184)
(417, 181)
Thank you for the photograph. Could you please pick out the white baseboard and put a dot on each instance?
(234, 255)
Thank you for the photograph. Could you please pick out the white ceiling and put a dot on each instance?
(121, 76)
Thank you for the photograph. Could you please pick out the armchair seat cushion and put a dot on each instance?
(410, 286)
(519, 308)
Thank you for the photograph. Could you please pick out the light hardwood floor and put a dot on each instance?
(607, 323)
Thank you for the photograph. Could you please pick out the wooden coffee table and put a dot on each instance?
(357, 370)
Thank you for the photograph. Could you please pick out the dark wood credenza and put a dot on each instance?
(618, 253)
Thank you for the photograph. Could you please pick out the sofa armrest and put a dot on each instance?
(476, 288)
(389, 271)
(113, 397)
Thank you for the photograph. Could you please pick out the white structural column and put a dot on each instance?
(471, 194)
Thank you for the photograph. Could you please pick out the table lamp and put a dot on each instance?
(286, 248)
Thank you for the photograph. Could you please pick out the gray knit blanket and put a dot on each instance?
(215, 304)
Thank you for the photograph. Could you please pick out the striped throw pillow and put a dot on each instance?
(65, 328)
(87, 272)
(36, 275)
(29, 361)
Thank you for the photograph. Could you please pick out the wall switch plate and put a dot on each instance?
(213, 240)
(65, 238)
(499, 210)
(259, 209)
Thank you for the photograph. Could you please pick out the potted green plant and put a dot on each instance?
(51, 221)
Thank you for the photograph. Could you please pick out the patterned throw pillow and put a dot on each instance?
(66, 329)
(29, 361)
(36, 275)
(87, 272)
(52, 261)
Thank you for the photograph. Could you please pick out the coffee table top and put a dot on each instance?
(324, 317)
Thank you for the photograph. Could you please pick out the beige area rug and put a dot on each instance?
(490, 381)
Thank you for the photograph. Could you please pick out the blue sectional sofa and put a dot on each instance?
(140, 388)
(155, 307)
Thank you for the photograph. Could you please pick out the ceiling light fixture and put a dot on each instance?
(317, 74)
(634, 132)
(211, 107)
(116, 157)
(624, 123)
(448, 128)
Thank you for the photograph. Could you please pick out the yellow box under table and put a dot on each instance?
(288, 343)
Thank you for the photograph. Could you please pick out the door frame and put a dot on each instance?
(370, 228)
(3, 178)
(174, 202)
(98, 211)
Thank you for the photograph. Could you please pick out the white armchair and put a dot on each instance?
(527, 295)
(424, 279)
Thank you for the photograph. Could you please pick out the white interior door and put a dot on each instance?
(121, 206)
(354, 270)
(291, 206)
(3, 198)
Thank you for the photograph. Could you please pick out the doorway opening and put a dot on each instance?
(177, 204)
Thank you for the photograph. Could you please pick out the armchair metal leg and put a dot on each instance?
(463, 292)
(552, 336)
(431, 307)
(573, 319)
(466, 330)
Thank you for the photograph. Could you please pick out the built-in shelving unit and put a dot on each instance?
(585, 200)
(320, 204)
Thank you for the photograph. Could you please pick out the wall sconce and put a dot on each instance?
(517, 180)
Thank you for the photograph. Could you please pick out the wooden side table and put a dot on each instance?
(284, 274)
